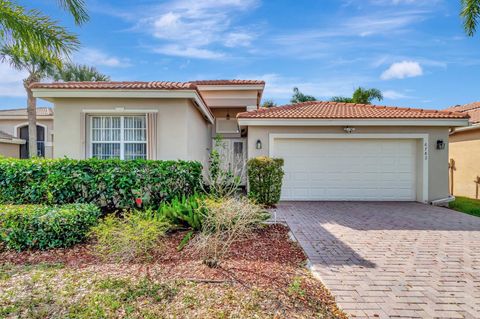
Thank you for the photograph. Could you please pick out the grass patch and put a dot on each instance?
(466, 205)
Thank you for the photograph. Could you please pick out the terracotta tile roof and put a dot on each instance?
(228, 82)
(41, 111)
(472, 109)
(154, 85)
(335, 110)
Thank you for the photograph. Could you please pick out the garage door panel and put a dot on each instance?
(318, 169)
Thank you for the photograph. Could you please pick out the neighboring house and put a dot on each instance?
(465, 153)
(332, 151)
(14, 133)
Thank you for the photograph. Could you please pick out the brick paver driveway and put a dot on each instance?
(392, 259)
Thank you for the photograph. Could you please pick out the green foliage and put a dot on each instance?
(470, 14)
(265, 179)
(360, 96)
(37, 33)
(45, 227)
(268, 103)
(185, 212)
(78, 73)
(466, 205)
(109, 184)
(299, 97)
(136, 236)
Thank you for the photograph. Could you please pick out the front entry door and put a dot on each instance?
(233, 155)
(40, 141)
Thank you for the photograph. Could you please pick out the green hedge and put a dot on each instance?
(45, 227)
(265, 179)
(110, 184)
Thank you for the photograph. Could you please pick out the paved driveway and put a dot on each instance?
(392, 259)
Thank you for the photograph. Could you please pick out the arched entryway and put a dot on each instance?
(23, 134)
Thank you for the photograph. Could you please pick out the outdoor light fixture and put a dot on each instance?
(440, 145)
(259, 145)
(228, 116)
(349, 129)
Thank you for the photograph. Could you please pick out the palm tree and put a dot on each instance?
(299, 97)
(38, 67)
(360, 96)
(34, 31)
(80, 73)
(470, 14)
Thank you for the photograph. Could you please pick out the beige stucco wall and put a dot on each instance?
(9, 150)
(198, 137)
(230, 98)
(465, 151)
(177, 122)
(11, 127)
(437, 159)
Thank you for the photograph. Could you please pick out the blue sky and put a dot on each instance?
(415, 51)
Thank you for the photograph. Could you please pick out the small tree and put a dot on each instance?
(360, 96)
(80, 73)
(299, 97)
(269, 103)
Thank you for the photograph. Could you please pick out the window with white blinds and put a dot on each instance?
(121, 137)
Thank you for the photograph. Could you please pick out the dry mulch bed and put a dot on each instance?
(266, 261)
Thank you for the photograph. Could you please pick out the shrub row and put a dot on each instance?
(110, 184)
(265, 176)
(45, 227)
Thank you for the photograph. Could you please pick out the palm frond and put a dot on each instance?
(470, 14)
(34, 31)
(78, 73)
(77, 8)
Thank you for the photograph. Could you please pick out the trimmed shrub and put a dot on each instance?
(45, 227)
(136, 236)
(265, 176)
(185, 212)
(110, 184)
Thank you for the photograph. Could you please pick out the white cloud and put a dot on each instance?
(393, 95)
(189, 52)
(401, 70)
(95, 57)
(11, 81)
(190, 27)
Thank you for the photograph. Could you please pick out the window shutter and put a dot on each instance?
(152, 136)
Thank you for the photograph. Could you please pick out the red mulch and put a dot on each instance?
(267, 257)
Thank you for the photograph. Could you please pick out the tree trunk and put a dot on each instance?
(32, 122)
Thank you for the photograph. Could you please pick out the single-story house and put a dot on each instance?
(464, 153)
(14, 132)
(332, 151)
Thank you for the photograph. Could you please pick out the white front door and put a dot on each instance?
(348, 169)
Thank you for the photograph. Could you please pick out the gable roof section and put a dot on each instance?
(10, 139)
(336, 110)
(472, 109)
(228, 82)
(41, 111)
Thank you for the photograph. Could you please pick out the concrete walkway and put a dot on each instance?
(391, 260)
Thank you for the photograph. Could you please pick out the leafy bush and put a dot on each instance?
(225, 222)
(185, 212)
(45, 227)
(265, 179)
(110, 184)
(136, 236)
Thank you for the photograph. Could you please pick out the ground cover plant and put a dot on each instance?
(262, 276)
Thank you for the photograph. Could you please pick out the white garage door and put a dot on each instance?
(348, 169)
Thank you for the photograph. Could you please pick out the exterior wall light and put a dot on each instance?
(440, 145)
(349, 129)
(259, 145)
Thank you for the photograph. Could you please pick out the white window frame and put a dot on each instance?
(122, 141)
